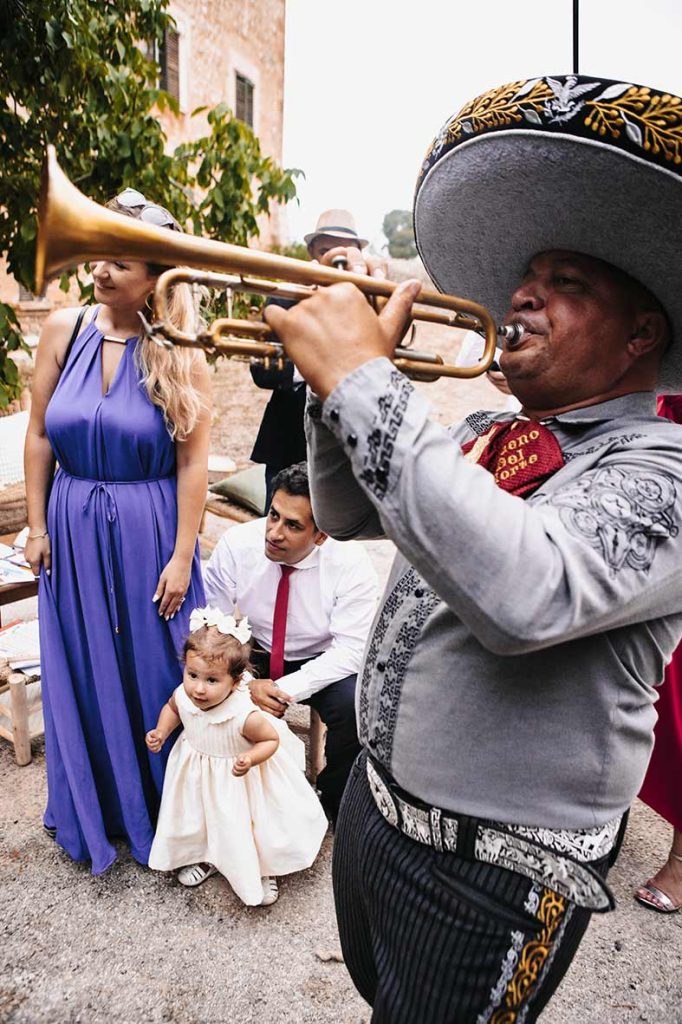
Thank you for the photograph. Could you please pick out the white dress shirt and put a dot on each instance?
(332, 601)
(471, 351)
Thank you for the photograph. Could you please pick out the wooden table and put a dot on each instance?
(11, 592)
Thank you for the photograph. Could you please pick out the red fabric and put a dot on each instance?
(520, 455)
(279, 623)
(662, 789)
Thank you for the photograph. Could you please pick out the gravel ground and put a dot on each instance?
(133, 946)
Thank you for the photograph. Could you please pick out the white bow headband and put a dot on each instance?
(226, 624)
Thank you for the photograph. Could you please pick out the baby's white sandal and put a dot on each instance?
(270, 891)
(195, 874)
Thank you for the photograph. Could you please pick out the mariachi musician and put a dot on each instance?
(506, 706)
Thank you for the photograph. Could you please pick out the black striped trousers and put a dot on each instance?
(430, 938)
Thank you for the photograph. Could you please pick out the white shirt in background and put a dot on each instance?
(332, 601)
(471, 351)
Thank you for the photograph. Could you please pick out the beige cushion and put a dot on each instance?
(246, 488)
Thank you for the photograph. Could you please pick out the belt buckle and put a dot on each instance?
(383, 797)
(576, 882)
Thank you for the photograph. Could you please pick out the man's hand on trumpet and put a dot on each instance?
(334, 331)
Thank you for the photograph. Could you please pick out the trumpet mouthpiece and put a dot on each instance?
(512, 334)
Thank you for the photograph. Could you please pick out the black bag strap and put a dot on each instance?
(74, 334)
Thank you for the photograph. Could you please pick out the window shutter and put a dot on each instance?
(170, 63)
(244, 98)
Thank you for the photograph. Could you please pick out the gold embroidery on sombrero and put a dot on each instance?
(652, 122)
(496, 109)
(532, 958)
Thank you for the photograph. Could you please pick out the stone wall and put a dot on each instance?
(218, 39)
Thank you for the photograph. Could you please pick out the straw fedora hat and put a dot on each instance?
(562, 162)
(336, 224)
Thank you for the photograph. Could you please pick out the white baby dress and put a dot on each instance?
(267, 822)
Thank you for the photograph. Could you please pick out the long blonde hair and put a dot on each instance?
(167, 374)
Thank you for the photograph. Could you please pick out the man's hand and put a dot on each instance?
(154, 740)
(268, 696)
(334, 331)
(242, 765)
(355, 261)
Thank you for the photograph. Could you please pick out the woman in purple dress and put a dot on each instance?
(113, 535)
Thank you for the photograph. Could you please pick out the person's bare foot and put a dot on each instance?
(663, 892)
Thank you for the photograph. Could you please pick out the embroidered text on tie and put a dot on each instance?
(279, 623)
(520, 454)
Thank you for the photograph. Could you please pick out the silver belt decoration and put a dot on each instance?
(550, 857)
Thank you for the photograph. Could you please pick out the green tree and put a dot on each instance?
(399, 231)
(295, 250)
(75, 73)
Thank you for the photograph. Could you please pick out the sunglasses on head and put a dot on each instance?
(151, 213)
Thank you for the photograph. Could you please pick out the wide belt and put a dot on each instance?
(539, 854)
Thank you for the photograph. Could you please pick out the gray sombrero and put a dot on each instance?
(564, 162)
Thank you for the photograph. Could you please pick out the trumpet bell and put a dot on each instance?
(74, 229)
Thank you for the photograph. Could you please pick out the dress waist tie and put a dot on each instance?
(101, 497)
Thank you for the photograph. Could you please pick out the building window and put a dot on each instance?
(169, 59)
(244, 99)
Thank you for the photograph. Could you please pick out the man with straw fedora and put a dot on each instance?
(506, 704)
(281, 437)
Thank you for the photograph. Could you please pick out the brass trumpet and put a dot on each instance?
(248, 339)
(74, 229)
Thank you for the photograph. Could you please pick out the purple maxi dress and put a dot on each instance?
(109, 661)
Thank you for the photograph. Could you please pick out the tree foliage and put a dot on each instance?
(80, 75)
(399, 230)
(294, 250)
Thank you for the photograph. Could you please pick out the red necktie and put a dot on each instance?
(520, 454)
(279, 623)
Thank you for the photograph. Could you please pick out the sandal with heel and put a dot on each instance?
(650, 895)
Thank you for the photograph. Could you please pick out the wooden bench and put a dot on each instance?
(15, 718)
(305, 721)
(18, 715)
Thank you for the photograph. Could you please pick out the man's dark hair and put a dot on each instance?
(293, 480)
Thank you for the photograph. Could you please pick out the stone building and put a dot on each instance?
(229, 51)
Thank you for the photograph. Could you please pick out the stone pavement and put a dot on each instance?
(133, 946)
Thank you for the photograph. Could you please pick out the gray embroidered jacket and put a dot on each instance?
(510, 670)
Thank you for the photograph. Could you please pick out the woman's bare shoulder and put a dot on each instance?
(58, 327)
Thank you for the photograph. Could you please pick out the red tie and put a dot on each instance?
(521, 455)
(279, 623)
